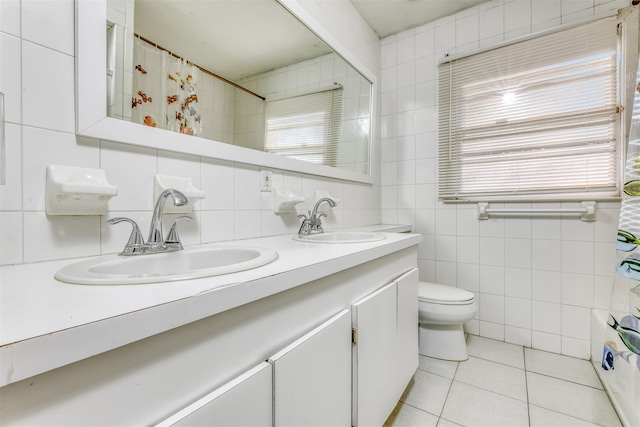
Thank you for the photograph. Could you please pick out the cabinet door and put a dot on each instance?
(407, 346)
(244, 401)
(374, 359)
(312, 377)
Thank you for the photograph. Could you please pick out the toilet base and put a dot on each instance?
(443, 342)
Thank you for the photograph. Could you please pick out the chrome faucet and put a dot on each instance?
(155, 231)
(312, 224)
(156, 243)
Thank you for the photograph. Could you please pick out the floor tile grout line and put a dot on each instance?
(449, 391)
(566, 415)
(589, 362)
(449, 421)
(432, 373)
(566, 380)
(494, 392)
(420, 409)
(494, 361)
(526, 384)
(488, 391)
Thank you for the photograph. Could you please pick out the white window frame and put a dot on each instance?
(451, 176)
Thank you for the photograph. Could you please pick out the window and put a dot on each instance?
(538, 119)
(306, 127)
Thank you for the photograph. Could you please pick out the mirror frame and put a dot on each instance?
(91, 103)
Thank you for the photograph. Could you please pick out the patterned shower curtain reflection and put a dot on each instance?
(148, 83)
(182, 99)
(164, 91)
(621, 353)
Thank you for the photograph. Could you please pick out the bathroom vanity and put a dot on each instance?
(324, 335)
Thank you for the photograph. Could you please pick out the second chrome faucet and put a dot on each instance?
(156, 243)
(312, 224)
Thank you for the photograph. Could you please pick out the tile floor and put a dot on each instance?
(504, 384)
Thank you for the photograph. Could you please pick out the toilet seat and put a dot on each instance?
(442, 294)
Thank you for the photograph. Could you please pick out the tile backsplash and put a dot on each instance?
(37, 78)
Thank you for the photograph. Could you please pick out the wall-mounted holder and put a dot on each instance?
(321, 194)
(73, 190)
(284, 200)
(587, 211)
(182, 184)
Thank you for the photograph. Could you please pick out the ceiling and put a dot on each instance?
(231, 38)
(388, 17)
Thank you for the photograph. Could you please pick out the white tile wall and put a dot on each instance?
(37, 78)
(491, 279)
(10, 17)
(536, 278)
(492, 20)
(517, 15)
(49, 24)
(47, 89)
(547, 285)
(546, 317)
(546, 342)
(10, 76)
(11, 192)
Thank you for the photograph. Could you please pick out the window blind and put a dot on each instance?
(306, 127)
(532, 120)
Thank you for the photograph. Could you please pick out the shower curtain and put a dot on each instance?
(164, 91)
(621, 353)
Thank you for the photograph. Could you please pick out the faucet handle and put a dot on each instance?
(306, 224)
(135, 239)
(173, 236)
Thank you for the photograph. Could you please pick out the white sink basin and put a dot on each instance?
(342, 237)
(190, 263)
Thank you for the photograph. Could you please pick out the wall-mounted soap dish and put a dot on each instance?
(163, 182)
(73, 190)
(285, 200)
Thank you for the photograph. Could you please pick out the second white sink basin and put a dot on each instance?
(342, 237)
(190, 263)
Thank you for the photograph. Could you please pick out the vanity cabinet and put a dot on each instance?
(244, 401)
(218, 362)
(307, 383)
(312, 377)
(407, 343)
(385, 353)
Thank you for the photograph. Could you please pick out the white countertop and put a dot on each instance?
(386, 228)
(45, 324)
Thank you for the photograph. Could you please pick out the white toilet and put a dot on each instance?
(442, 310)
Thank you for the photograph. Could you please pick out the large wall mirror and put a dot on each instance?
(244, 81)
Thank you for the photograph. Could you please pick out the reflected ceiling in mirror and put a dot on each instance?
(247, 73)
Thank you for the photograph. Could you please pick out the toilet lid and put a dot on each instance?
(441, 294)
